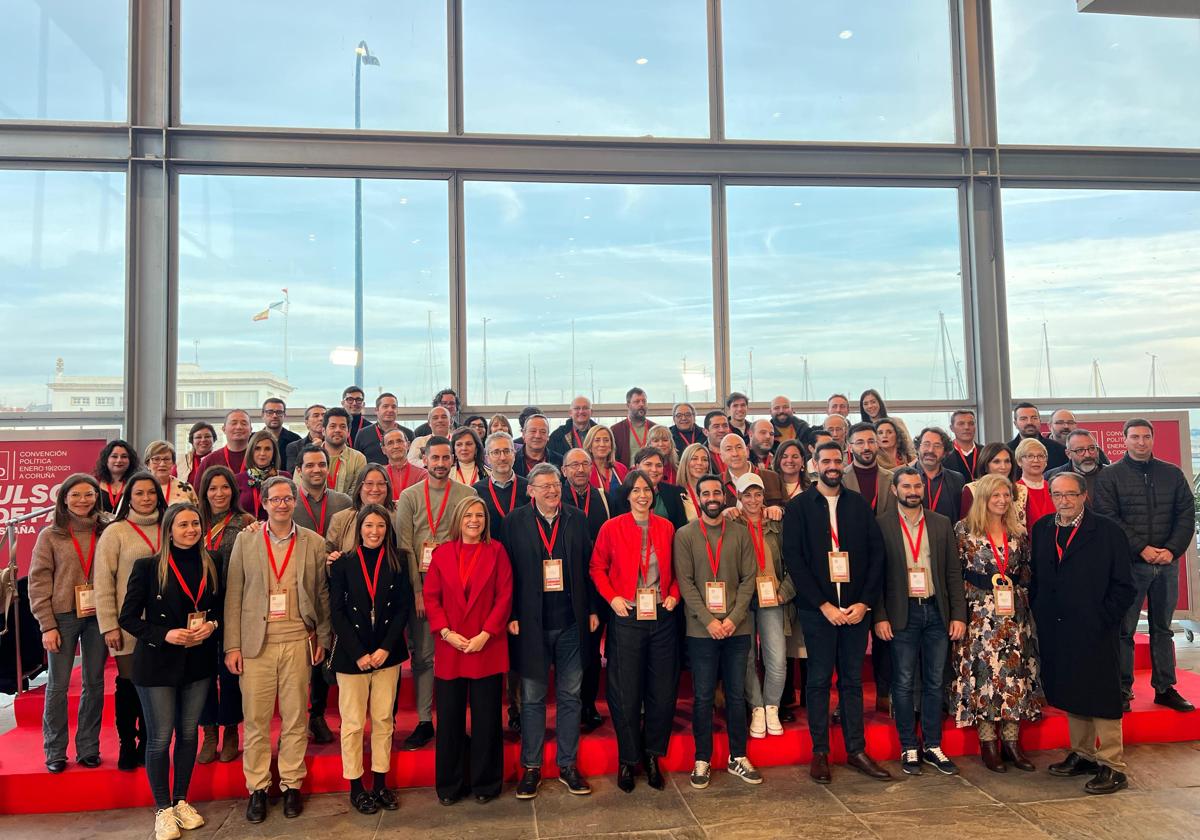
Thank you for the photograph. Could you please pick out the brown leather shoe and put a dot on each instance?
(989, 751)
(883, 704)
(1010, 751)
(819, 769)
(866, 765)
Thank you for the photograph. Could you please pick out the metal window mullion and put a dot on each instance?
(716, 73)
(720, 297)
(454, 68)
(458, 290)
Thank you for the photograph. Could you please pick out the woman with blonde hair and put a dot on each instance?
(996, 670)
(607, 471)
(159, 459)
(660, 438)
(1031, 463)
(694, 463)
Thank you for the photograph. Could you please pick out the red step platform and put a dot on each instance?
(26, 787)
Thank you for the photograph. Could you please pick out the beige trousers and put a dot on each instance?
(280, 672)
(371, 692)
(1086, 731)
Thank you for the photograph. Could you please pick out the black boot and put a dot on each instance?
(126, 707)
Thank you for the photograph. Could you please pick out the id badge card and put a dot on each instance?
(277, 607)
(1005, 596)
(714, 596)
(918, 583)
(552, 575)
(768, 596)
(85, 600)
(195, 621)
(647, 605)
(839, 567)
(427, 555)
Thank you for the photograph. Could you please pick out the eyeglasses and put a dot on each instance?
(500, 453)
(1084, 450)
(276, 412)
(548, 488)
(1033, 456)
(578, 465)
(1062, 497)
(162, 459)
(280, 500)
(355, 400)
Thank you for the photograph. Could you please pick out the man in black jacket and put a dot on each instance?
(834, 553)
(503, 491)
(685, 432)
(570, 434)
(1153, 504)
(553, 611)
(1028, 422)
(943, 487)
(1084, 461)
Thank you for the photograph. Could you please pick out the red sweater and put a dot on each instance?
(486, 606)
(616, 557)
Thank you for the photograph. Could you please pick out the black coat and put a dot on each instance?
(497, 516)
(1151, 501)
(597, 509)
(949, 499)
(562, 441)
(1078, 606)
(149, 612)
(526, 552)
(695, 435)
(807, 542)
(672, 499)
(350, 613)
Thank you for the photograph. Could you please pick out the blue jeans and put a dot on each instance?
(773, 644)
(924, 637)
(1161, 585)
(710, 659)
(170, 709)
(562, 651)
(86, 633)
(842, 646)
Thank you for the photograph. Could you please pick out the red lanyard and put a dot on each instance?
(799, 488)
(602, 483)
(714, 561)
(371, 582)
(916, 547)
(512, 501)
(717, 464)
(213, 544)
(153, 546)
(684, 435)
(937, 495)
(549, 543)
(578, 439)
(1001, 559)
(833, 534)
(462, 478)
(645, 559)
(640, 441)
(194, 475)
(433, 526)
(974, 458)
(318, 524)
(587, 500)
(187, 590)
(1071, 536)
(331, 478)
(379, 435)
(257, 496)
(167, 494)
(114, 498)
(271, 554)
(87, 564)
(695, 501)
(465, 570)
(398, 486)
(760, 543)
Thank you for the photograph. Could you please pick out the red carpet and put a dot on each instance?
(26, 787)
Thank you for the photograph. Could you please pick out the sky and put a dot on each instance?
(850, 280)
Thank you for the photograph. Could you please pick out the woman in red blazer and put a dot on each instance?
(631, 567)
(468, 600)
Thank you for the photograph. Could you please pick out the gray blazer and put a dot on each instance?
(948, 587)
(247, 590)
(885, 503)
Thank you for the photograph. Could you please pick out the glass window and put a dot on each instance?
(840, 289)
(1068, 78)
(1101, 289)
(619, 67)
(62, 272)
(588, 289)
(266, 290)
(63, 60)
(298, 62)
(868, 70)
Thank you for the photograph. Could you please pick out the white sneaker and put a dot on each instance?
(744, 770)
(758, 723)
(774, 727)
(187, 816)
(165, 826)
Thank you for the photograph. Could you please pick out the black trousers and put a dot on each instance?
(643, 675)
(471, 764)
(318, 689)
(881, 665)
(592, 664)
(842, 648)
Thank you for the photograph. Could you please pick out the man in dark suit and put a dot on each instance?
(922, 609)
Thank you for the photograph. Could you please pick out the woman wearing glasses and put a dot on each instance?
(160, 460)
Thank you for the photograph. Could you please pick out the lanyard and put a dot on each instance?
(462, 478)
(578, 439)
(271, 554)
(714, 561)
(760, 543)
(549, 543)
(645, 559)
(1061, 550)
(318, 524)
(833, 534)
(604, 484)
(371, 582)
(512, 501)
(194, 475)
(216, 535)
(916, 547)
(153, 546)
(587, 500)
(1001, 559)
(717, 463)
(433, 526)
(799, 488)
(974, 458)
(684, 435)
(87, 564)
(398, 486)
(465, 570)
(114, 498)
(187, 590)
(640, 441)
(331, 478)
(167, 494)
(257, 496)
(938, 495)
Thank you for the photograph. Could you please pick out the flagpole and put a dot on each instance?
(286, 302)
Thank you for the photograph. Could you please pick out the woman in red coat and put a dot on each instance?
(631, 567)
(468, 600)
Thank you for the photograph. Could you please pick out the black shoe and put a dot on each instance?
(127, 758)
(576, 784)
(363, 802)
(514, 719)
(1074, 765)
(527, 788)
(420, 736)
(910, 762)
(1172, 699)
(319, 730)
(90, 761)
(386, 800)
(141, 751)
(836, 717)
(57, 766)
(256, 809)
(938, 760)
(786, 715)
(654, 776)
(484, 798)
(448, 800)
(591, 720)
(625, 780)
(292, 804)
(1107, 780)
(1125, 704)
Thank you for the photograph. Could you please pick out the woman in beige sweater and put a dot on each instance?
(62, 599)
(134, 534)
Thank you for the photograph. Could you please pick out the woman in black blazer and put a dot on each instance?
(370, 598)
(168, 608)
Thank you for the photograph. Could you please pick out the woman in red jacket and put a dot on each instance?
(468, 600)
(631, 567)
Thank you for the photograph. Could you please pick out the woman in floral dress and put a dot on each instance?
(996, 671)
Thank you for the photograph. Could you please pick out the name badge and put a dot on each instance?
(277, 606)
(768, 596)
(1004, 595)
(552, 575)
(918, 583)
(714, 596)
(839, 567)
(195, 621)
(647, 605)
(85, 600)
(427, 555)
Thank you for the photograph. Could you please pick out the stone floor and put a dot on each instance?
(1163, 802)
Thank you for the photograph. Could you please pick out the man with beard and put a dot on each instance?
(943, 487)
(570, 434)
(762, 444)
(834, 553)
(1028, 422)
(632, 433)
(1084, 460)
(345, 464)
(1062, 424)
(685, 432)
(787, 425)
(369, 440)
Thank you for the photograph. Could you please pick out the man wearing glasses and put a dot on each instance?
(352, 401)
(685, 432)
(1083, 457)
(274, 413)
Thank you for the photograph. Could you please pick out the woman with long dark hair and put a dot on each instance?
(262, 460)
(871, 406)
(373, 487)
(202, 437)
(116, 462)
(469, 464)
